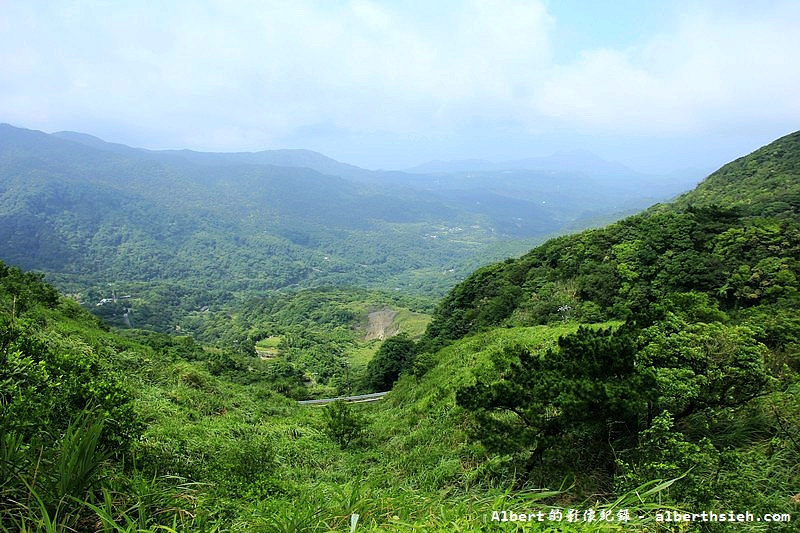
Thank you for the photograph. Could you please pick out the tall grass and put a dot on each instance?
(43, 488)
(80, 458)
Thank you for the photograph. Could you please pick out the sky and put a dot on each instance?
(660, 86)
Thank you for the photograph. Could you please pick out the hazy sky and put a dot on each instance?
(656, 85)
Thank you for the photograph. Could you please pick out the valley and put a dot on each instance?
(370, 266)
(183, 231)
(644, 365)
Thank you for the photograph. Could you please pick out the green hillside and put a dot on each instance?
(764, 183)
(698, 382)
(149, 433)
(735, 238)
(217, 447)
(602, 379)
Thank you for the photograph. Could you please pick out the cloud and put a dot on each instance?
(274, 66)
(251, 74)
(712, 71)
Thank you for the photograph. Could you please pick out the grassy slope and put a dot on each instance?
(249, 459)
(423, 429)
(194, 418)
(405, 321)
(414, 470)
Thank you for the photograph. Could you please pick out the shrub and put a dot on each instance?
(342, 424)
(664, 453)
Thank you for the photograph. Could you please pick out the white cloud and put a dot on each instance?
(712, 71)
(275, 64)
(243, 75)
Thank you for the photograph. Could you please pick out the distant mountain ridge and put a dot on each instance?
(90, 213)
(283, 158)
(615, 179)
(735, 237)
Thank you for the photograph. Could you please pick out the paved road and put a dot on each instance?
(375, 396)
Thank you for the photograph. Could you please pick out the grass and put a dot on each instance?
(414, 469)
(268, 347)
(269, 342)
(415, 454)
(411, 323)
(363, 352)
(405, 321)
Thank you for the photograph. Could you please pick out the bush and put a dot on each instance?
(46, 379)
(248, 457)
(664, 453)
(342, 424)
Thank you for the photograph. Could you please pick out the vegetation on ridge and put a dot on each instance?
(741, 249)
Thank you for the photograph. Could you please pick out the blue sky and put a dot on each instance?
(660, 86)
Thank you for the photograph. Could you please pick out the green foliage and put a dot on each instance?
(173, 346)
(249, 460)
(227, 451)
(20, 291)
(723, 239)
(393, 358)
(574, 409)
(693, 403)
(764, 182)
(343, 423)
(569, 407)
(696, 366)
(104, 223)
(144, 505)
(50, 479)
(665, 453)
(47, 378)
(79, 458)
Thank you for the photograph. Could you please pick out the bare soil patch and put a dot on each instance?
(380, 324)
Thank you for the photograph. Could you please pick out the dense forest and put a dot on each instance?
(181, 232)
(646, 367)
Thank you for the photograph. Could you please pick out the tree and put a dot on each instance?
(567, 407)
(700, 366)
(576, 407)
(393, 358)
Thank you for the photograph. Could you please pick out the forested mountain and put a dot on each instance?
(179, 231)
(695, 380)
(764, 183)
(280, 158)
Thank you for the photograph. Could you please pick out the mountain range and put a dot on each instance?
(90, 213)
